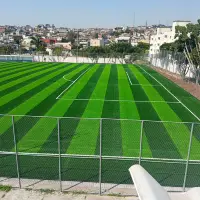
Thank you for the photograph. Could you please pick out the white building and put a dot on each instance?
(65, 45)
(123, 39)
(164, 35)
(96, 42)
(26, 43)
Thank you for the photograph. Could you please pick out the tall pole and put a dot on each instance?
(59, 152)
(188, 157)
(77, 45)
(16, 151)
(100, 157)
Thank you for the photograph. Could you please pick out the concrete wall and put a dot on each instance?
(70, 59)
(167, 65)
(76, 59)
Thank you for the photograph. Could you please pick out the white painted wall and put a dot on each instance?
(76, 60)
(169, 66)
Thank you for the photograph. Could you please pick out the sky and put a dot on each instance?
(97, 14)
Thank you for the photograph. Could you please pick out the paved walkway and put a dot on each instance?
(38, 195)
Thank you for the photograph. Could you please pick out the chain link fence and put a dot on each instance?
(81, 57)
(70, 154)
(174, 62)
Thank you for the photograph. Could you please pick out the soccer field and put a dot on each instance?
(82, 94)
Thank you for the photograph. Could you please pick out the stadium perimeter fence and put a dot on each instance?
(173, 62)
(77, 58)
(97, 152)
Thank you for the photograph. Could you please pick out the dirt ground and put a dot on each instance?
(190, 87)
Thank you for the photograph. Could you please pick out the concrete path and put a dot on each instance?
(47, 195)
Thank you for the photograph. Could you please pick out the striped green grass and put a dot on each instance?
(104, 91)
(32, 89)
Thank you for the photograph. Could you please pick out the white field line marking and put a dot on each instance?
(67, 79)
(120, 101)
(129, 78)
(147, 85)
(171, 93)
(72, 83)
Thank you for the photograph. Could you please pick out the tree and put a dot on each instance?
(37, 42)
(64, 40)
(188, 43)
(96, 35)
(189, 40)
(18, 40)
(57, 51)
(7, 50)
(71, 36)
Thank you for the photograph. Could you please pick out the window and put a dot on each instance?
(165, 36)
(158, 38)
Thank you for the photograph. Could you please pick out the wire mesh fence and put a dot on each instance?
(79, 57)
(174, 62)
(69, 153)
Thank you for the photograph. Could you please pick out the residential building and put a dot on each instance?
(97, 42)
(123, 39)
(26, 43)
(65, 45)
(164, 35)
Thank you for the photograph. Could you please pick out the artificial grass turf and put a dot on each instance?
(130, 130)
(31, 105)
(25, 68)
(111, 130)
(35, 131)
(28, 91)
(7, 68)
(177, 108)
(27, 79)
(164, 111)
(87, 170)
(190, 101)
(113, 89)
(80, 129)
(18, 75)
(82, 136)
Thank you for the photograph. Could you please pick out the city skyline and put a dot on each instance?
(87, 14)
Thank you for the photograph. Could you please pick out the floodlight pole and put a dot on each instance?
(77, 50)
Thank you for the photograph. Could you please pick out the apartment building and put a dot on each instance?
(164, 35)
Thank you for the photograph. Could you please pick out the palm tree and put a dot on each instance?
(18, 42)
(37, 42)
(8, 50)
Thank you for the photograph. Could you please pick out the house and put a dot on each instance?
(164, 35)
(97, 42)
(65, 45)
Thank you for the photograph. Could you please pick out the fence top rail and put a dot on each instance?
(144, 159)
(114, 119)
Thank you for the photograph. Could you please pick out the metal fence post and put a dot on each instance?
(188, 157)
(16, 151)
(141, 138)
(100, 155)
(59, 152)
